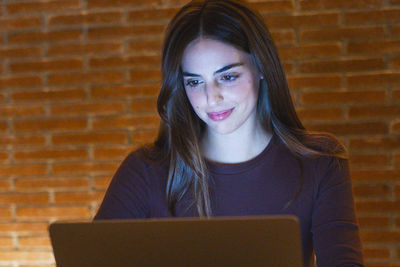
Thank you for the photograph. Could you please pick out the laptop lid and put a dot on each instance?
(220, 241)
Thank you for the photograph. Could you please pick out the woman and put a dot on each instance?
(230, 142)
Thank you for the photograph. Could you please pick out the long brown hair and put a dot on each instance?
(234, 23)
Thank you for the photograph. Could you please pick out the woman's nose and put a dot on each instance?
(213, 93)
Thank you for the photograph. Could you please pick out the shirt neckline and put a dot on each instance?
(234, 168)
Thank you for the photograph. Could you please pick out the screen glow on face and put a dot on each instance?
(221, 83)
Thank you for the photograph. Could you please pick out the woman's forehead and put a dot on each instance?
(209, 54)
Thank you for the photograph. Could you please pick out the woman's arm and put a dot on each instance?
(128, 194)
(334, 224)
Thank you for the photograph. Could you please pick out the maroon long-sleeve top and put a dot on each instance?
(260, 186)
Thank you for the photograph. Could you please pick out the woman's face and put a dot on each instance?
(221, 83)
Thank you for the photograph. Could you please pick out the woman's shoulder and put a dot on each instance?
(145, 156)
(324, 143)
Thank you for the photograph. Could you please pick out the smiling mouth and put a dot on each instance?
(221, 115)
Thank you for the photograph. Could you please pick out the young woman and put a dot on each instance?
(230, 142)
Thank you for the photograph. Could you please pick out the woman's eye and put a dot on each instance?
(229, 77)
(192, 83)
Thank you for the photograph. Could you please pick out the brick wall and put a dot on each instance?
(79, 79)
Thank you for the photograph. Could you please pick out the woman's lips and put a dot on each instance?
(221, 115)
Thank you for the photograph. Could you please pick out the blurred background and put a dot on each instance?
(78, 87)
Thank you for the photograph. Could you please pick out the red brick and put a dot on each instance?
(395, 30)
(123, 62)
(302, 20)
(380, 236)
(396, 159)
(85, 18)
(125, 91)
(155, 13)
(373, 47)
(5, 185)
(369, 159)
(288, 67)
(98, 77)
(42, 6)
(50, 154)
(378, 206)
(26, 256)
(342, 33)
(101, 183)
(328, 4)
(58, 212)
(6, 242)
(33, 242)
(21, 82)
(5, 214)
(395, 126)
(4, 157)
(309, 51)
(50, 124)
(20, 23)
(87, 138)
(144, 105)
(126, 122)
(286, 36)
(45, 36)
(13, 111)
(371, 190)
(373, 175)
(325, 97)
(145, 75)
(113, 152)
(396, 94)
(394, 62)
(78, 197)
(376, 253)
(24, 198)
(372, 16)
(88, 108)
(373, 221)
(2, 97)
(23, 170)
(397, 190)
(342, 65)
(46, 65)
(144, 136)
(141, 45)
(273, 6)
(22, 140)
(374, 111)
(373, 79)
(350, 128)
(83, 48)
(125, 31)
(314, 81)
(85, 168)
(375, 143)
(24, 227)
(120, 3)
(3, 126)
(49, 95)
(316, 114)
(58, 183)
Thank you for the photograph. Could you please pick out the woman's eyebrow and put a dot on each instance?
(227, 67)
(230, 66)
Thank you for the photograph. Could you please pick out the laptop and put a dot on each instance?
(190, 242)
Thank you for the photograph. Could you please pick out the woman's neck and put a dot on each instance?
(236, 147)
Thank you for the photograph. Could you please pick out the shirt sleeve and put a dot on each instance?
(334, 225)
(128, 195)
